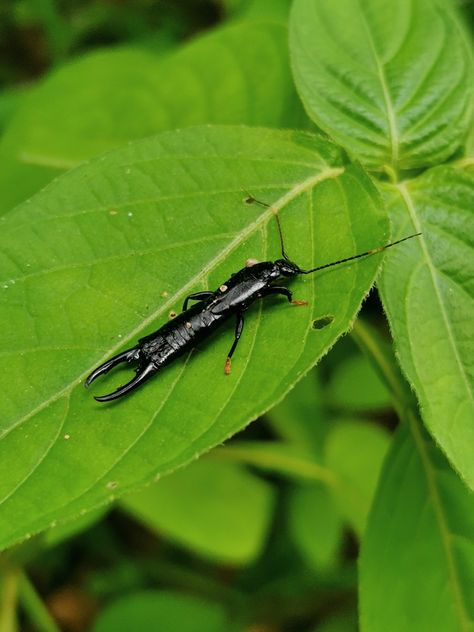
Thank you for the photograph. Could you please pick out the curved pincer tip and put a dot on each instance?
(137, 381)
(125, 356)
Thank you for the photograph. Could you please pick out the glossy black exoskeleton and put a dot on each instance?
(257, 280)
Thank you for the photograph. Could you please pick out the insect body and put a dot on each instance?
(254, 281)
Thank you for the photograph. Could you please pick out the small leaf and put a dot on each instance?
(427, 292)
(161, 610)
(417, 560)
(315, 524)
(391, 81)
(355, 452)
(101, 256)
(213, 507)
(234, 74)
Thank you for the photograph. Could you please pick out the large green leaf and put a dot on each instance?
(235, 74)
(417, 561)
(427, 293)
(391, 81)
(103, 254)
(206, 507)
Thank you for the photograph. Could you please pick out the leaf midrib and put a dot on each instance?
(308, 183)
(391, 116)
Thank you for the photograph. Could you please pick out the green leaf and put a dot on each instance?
(470, 143)
(161, 610)
(417, 560)
(235, 74)
(355, 452)
(356, 386)
(10, 100)
(100, 258)
(213, 507)
(315, 524)
(391, 81)
(427, 292)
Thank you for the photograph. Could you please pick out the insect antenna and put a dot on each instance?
(367, 253)
(250, 199)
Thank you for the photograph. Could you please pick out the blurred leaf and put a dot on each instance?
(339, 622)
(164, 610)
(70, 529)
(315, 525)
(213, 507)
(356, 386)
(470, 143)
(417, 561)
(9, 103)
(427, 292)
(355, 451)
(391, 81)
(235, 74)
(299, 418)
(85, 264)
(259, 9)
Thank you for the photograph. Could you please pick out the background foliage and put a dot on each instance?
(349, 504)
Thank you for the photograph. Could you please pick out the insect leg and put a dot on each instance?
(284, 291)
(197, 296)
(239, 325)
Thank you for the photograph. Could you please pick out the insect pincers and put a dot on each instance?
(211, 309)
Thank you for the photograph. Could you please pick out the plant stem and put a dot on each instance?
(278, 457)
(8, 597)
(34, 607)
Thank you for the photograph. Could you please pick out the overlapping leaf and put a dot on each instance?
(104, 253)
(391, 81)
(427, 293)
(236, 74)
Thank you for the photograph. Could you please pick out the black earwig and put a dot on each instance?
(193, 324)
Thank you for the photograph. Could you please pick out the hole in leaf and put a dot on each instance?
(323, 321)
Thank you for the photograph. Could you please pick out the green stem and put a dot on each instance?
(8, 599)
(278, 457)
(34, 607)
